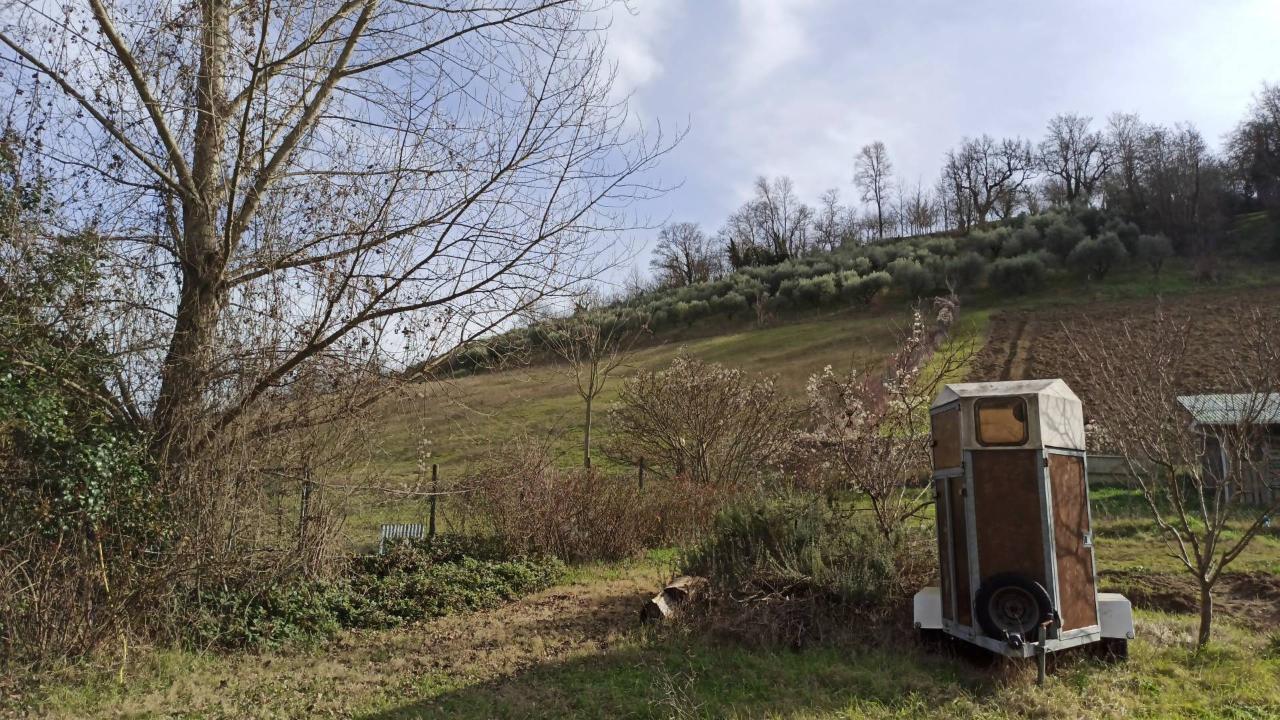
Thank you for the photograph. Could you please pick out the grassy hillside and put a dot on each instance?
(460, 421)
(575, 650)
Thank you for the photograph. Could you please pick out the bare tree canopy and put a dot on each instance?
(873, 173)
(684, 255)
(1255, 148)
(592, 349)
(769, 228)
(292, 191)
(990, 175)
(1075, 157)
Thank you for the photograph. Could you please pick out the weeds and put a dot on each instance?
(795, 569)
(576, 515)
(412, 582)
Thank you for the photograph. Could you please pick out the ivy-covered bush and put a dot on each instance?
(412, 581)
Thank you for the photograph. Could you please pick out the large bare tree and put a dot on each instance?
(989, 174)
(684, 255)
(873, 174)
(1075, 157)
(297, 196)
(771, 227)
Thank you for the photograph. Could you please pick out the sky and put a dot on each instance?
(795, 87)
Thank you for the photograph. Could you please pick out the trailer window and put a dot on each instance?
(1001, 421)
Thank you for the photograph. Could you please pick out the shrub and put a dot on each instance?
(1042, 222)
(984, 242)
(1062, 237)
(1095, 257)
(1025, 240)
(817, 292)
(700, 421)
(413, 581)
(1154, 250)
(861, 290)
(1017, 276)
(1128, 233)
(801, 546)
(912, 277)
(1092, 219)
(729, 305)
(965, 270)
(535, 507)
(860, 265)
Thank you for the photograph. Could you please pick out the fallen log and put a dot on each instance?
(666, 603)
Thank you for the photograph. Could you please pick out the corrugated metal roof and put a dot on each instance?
(1229, 409)
(999, 388)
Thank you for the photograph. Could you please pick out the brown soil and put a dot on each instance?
(1028, 344)
(1252, 598)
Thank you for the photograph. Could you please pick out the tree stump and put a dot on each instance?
(666, 603)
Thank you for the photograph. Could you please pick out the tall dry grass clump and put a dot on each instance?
(534, 507)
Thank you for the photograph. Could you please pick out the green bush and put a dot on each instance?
(912, 277)
(860, 290)
(800, 546)
(1062, 237)
(1127, 232)
(1026, 239)
(1154, 250)
(413, 581)
(1017, 276)
(811, 292)
(965, 271)
(729, 305)
(1095, 257)
(984, 242)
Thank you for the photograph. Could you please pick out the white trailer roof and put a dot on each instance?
(1054, 387)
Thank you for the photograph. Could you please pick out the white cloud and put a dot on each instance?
(633, 35)
(772, 34)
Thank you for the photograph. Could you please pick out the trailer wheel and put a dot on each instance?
(1010, 603)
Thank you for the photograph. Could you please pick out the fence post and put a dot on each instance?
(642, 473)
(304, 506)
(435, 475)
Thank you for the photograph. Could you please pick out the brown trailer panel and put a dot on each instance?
(1077, 593)
(946, 439)
(1007, 513)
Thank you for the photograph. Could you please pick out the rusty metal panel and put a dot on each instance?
(946, 439)
(1007, 513)
(1073, 545)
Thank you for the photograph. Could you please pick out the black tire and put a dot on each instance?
(1010, 603)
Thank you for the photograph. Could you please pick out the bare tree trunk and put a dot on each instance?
(202, 253)
(1206, 614)
(586, 438)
